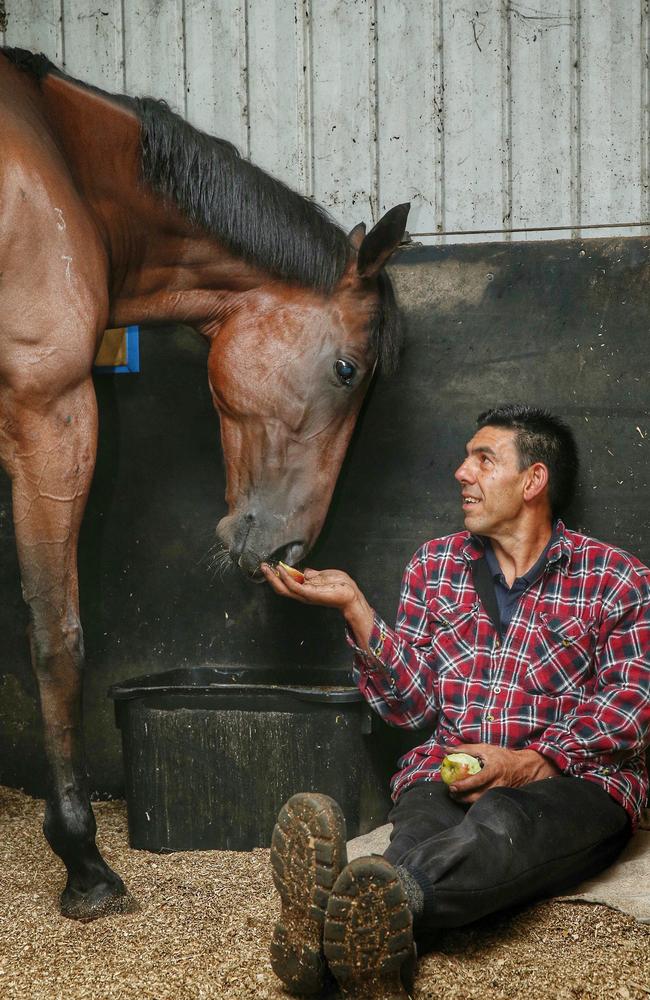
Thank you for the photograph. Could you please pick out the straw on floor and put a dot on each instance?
(205, 919)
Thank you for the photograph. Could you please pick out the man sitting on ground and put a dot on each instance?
(525, 645)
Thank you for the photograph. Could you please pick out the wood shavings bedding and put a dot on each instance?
(205, 919)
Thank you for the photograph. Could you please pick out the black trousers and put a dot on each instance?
(512, 845)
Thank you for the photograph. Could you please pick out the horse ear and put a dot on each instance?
(382, 240)
(356, 236)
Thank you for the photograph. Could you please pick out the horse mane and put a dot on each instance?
(253, 214)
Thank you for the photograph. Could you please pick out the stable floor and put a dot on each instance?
(205, 921)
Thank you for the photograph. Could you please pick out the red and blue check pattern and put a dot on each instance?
(571, 678)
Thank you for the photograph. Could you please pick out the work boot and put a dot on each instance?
(368, 937)
(307, 855)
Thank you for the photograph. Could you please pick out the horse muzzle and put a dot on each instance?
(253, 538)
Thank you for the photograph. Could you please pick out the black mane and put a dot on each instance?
(256, 216)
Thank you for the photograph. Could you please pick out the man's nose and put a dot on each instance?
(461, 473)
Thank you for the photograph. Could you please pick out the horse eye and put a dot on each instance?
(345, 371)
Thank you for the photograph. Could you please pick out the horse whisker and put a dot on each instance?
(218, 560)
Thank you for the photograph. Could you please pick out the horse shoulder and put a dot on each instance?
(53, 265)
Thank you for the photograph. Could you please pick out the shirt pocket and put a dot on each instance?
(453, 637)
(561, 655)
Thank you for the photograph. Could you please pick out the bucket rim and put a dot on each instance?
(233, 679)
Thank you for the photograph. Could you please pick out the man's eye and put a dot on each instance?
(345, 371)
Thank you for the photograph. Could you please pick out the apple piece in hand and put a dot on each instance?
(457, 766)
(294, 573)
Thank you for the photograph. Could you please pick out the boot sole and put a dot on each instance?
(368, 934)
(307, 856)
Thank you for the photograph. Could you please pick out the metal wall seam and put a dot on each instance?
(576, 169)
(506, 117)
(438, 68)
(123, 46)
(123, 40)
(245, 79)
(373, 109)
(63, 32)
(304, 82)
(184, 61)
(645, 109)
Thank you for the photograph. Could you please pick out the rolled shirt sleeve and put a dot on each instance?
(397, 678)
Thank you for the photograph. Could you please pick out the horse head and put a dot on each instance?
(288, 370)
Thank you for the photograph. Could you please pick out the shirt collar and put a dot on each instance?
(558, 552)
(525, 579)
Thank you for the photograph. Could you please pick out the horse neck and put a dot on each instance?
(162, 268)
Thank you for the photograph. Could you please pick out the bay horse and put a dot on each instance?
(116, 211)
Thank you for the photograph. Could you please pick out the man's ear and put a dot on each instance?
(536, 480)
(382, 240)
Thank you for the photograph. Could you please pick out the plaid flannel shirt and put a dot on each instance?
(571, 678)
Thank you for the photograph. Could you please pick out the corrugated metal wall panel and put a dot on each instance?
(94, 44)
(514, 114)
(476, 121)
(409, 101)
(343, 80)
(35, 24)
(541, 116)
(154, 56)
(216, 61)
(610, 111)
(278, 35)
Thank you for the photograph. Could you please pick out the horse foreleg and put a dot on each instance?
(49, 452)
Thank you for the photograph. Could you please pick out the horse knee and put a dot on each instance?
(50, 640)
(73, 637)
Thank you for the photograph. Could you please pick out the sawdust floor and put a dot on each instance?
(205, 921)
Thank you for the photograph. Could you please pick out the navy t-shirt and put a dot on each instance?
(506, 596)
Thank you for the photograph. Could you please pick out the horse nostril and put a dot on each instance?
(249, 517)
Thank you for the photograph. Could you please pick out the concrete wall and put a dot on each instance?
(497, 115)
(562, 324)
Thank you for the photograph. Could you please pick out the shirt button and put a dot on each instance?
(490, 717)
(497, 690)
(565, 642)
(497, 643)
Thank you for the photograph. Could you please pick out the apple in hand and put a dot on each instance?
(457, 766)
(294, 573)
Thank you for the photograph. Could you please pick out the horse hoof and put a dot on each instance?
(100, 901)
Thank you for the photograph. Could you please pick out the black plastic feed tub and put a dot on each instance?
(211, 753)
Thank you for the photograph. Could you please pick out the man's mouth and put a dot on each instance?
(470, 501)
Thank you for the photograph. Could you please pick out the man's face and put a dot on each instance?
(492, 485)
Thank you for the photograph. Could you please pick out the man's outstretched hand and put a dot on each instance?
(501, 768)
(331, 588)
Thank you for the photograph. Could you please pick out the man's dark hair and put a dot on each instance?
(540, 437)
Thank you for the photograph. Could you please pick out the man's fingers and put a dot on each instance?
(278, 583)
(309, 592)
(473, 782)
(292, 585)
(330, 588)
(473, 749)
(275, 582)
